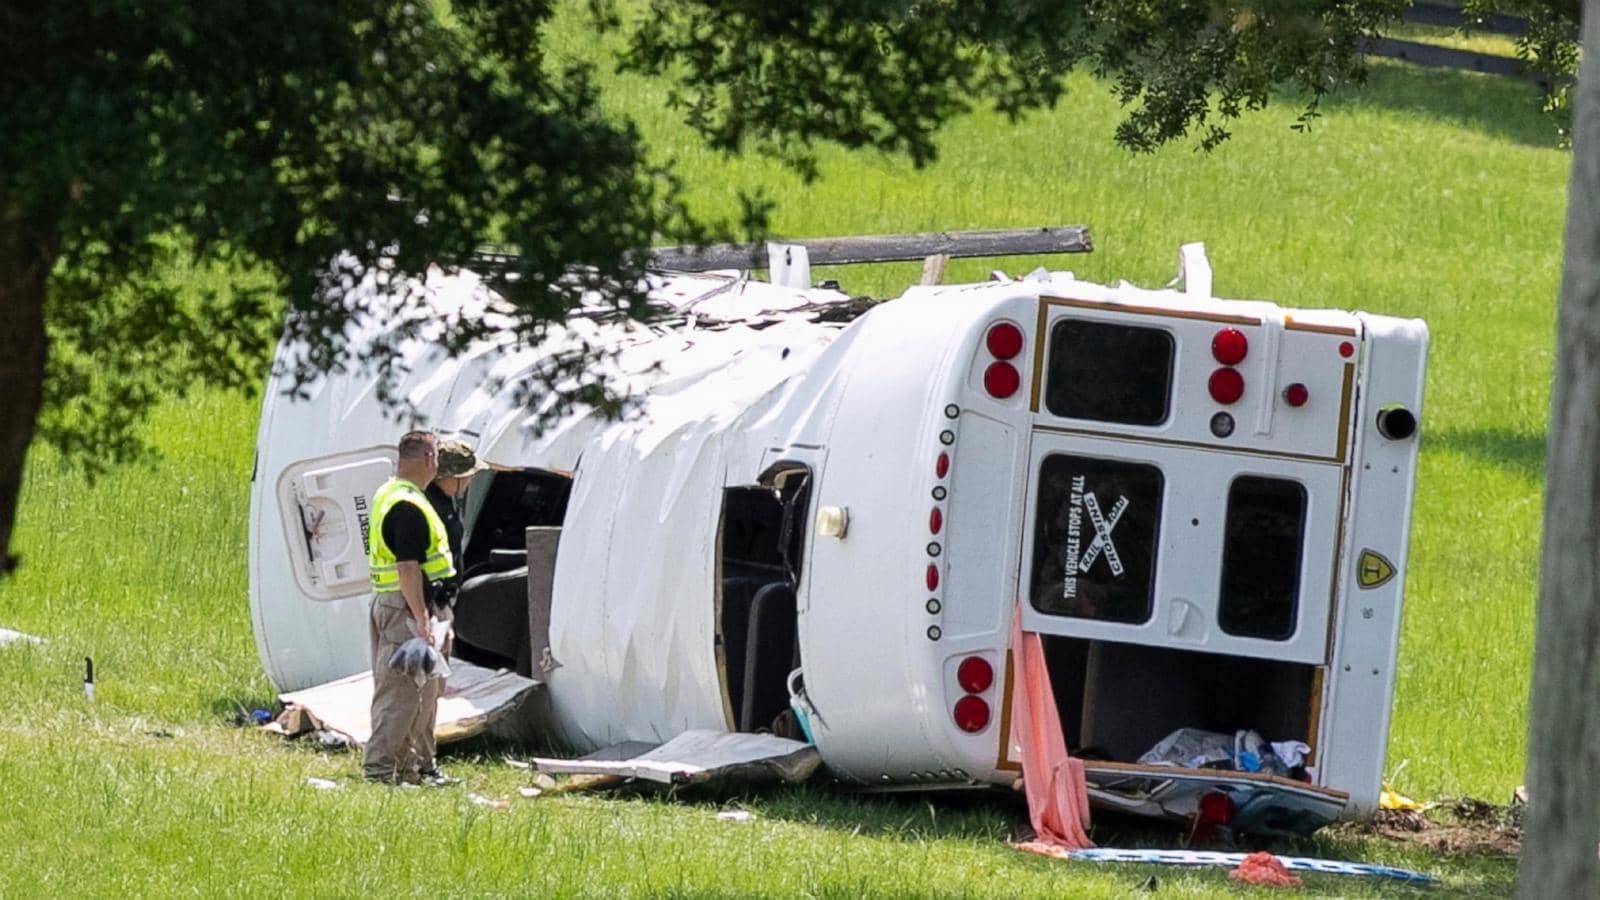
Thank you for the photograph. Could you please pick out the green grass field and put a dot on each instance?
(1427, 194)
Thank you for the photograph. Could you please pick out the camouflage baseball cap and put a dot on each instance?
(456, 460)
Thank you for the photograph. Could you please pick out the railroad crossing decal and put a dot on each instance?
(1102, 534)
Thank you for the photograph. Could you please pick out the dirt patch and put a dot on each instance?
(1462, 826)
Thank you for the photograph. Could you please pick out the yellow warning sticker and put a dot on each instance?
(1372, 569)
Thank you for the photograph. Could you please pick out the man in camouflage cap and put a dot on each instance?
(456, 460)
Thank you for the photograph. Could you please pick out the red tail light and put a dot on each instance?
(1229, 346)
(972, 714)
(1001, 380)
(1296, 394)
(1004, 341)
(975, 674)
(941, 467)
(935, 520)
(1215, 809)
(933, 577)
(1226, 385)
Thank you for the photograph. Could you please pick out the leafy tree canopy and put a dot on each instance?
(147, 142)
(1549, 45)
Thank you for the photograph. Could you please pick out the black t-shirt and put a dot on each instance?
(446, 508)
(405, 530)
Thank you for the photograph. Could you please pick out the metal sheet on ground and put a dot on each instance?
(474, 698)
(1232, 860)
(697, 757)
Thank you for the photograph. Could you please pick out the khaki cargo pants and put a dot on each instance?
(403, 714)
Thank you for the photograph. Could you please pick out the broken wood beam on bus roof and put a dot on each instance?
(844, 251)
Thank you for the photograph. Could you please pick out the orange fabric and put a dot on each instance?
(1058, 798)
(1264, 870)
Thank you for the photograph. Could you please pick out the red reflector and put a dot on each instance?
(975, 674)
(1004, 341)
(933, 577)
(1347, 349)
(1226, 385)
(935, 520)
(1215, 809)
(972, 714)
(1296, 394)
(1001, 380)
(1229, 346)
(942, 467)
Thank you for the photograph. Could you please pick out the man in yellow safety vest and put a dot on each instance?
(408, 551)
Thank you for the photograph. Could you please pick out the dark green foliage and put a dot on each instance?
(275, 137)
(785, 75)
(1549, 46)
(199, 178)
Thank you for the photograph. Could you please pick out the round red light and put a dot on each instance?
(935, 520)
(975, 674)
(1229, 346)
(971, 714)
(1346, 349)
(1004, 341)
(933, 577)
(1296, 394)
(941, 468)
(1226, 385)
(1001, 380)
(1216, 808)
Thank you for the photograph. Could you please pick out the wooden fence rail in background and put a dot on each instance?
(1434, 56)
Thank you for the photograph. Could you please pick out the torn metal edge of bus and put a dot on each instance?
(846, 251)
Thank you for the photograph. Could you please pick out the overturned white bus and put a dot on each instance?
(1203, 506)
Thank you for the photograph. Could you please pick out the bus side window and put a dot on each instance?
(1261, 552)
(1107, 372)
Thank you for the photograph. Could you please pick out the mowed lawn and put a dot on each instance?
(1427, 194)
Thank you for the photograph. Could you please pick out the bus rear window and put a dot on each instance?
(1109, 373)
(1261, 552)
(1094, 548)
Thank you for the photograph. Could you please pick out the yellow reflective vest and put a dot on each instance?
(436, 566)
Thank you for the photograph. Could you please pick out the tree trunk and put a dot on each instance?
(24, 265)
(1562, 829)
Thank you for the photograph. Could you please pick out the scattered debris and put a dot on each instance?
(1460, 826)
(480, 800)
(580, 783)
(323, 784)
(7, 636)
(1388, 798)
(88, 679)
(529, 792)
(697, 757)
(517, 763)
(1262, 869)
(474, 698)
(331, 741)
(1391, 820)
(736, 815)
(1213, 858)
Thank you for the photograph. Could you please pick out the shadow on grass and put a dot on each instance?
(1517, 452)
(1504, 108)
